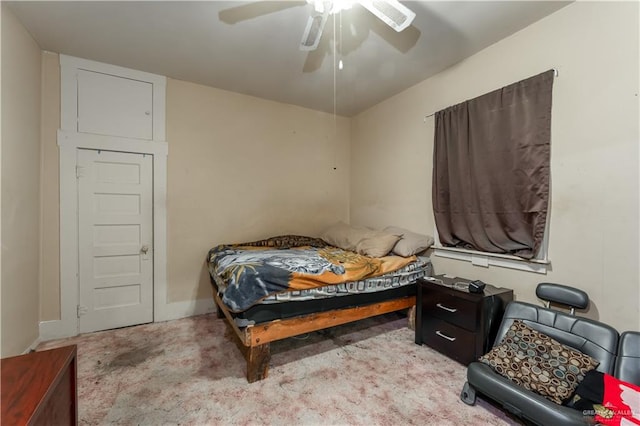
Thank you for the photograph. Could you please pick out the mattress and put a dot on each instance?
(290, 304)
(291, 275)
(247, 274)
(273, 311)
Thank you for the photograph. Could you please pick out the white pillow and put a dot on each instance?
(365, 241)
(377, 244)
(411, 242)
(343, 236)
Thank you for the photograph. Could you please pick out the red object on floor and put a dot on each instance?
(623, 401)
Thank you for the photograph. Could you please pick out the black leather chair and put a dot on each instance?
(588, 336)
(628, 363)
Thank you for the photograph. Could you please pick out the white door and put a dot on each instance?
(115, 236)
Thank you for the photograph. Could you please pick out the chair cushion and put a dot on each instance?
(522, 402)
(596, 339)
(539, 363)
(628, 363)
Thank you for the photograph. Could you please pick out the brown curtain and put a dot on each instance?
(491, 169)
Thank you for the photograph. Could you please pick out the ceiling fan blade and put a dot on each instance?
(392, 12)
(254, 9)
(313, 31)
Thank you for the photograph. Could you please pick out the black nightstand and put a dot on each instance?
(457, 323)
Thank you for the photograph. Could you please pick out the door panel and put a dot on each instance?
(115, 227)
(114, 297)
(118, 172)
(106, 236)
(114, 106)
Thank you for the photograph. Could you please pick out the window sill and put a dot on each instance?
(484, 259)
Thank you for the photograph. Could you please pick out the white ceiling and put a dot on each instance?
(252, 47)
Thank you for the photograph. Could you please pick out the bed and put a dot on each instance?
(290, 285)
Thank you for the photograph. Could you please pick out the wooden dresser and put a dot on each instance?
(39, 388)
(457, 323)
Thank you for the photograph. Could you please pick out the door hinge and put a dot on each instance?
(80, 171)
(81, 310)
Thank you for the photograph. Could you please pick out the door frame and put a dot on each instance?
(69, 143)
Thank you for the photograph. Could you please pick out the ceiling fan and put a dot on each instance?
(391, 12)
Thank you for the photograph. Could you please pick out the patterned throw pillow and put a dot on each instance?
(539, 363)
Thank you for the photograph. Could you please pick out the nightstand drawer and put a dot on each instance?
(450, 308)
(453, 341)
(455, 322)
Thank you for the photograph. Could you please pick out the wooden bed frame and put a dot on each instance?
(254, 340)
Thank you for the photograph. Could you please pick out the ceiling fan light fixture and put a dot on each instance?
(340, 5)
(332, 6)
(391, 12)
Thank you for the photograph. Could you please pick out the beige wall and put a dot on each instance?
(50, 197)
(20, 186)
(239, 168)
(242, 168)
(594, 166)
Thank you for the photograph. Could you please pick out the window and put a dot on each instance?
(491, 173)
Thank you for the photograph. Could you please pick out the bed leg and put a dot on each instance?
(219, 312)
(258, 358)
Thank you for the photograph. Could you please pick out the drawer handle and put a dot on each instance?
(441, 306)
(444, 336)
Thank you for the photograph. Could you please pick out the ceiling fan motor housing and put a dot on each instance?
(391, 12)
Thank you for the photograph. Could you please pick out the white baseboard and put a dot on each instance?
(189, 308)
(32, 347)
(58, 329)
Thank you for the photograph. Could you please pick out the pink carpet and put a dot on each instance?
(189, 371)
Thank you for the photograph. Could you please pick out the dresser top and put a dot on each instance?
(457, 284)
(29, 379)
